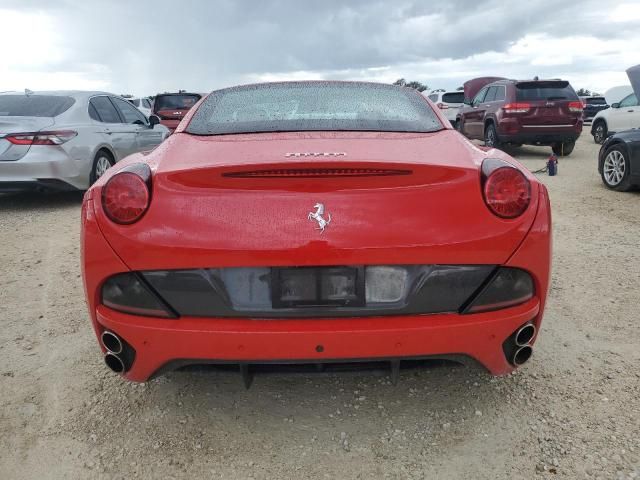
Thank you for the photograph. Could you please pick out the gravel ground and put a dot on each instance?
(572, 412)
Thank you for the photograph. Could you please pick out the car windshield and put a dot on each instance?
(34, 105)
(176, 102)
(453, 97)
(549, 90)
(313, 106)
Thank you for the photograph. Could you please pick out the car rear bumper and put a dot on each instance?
(161, 342)
(510, 130)
(539, 138)
(47, 168)
(40, 185)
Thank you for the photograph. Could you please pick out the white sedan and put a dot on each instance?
(66, 140)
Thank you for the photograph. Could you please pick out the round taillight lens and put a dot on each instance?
(507, 192)
(125, 197)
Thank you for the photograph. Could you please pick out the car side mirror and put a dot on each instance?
(153, 120)
(615, 105)
(466, 101)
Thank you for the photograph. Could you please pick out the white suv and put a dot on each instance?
(449, 102)
(624, 115)
(142, 104)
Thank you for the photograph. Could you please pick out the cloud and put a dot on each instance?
(149, 46)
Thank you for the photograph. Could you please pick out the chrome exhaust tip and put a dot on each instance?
(114, 362)
(525, 335)
(111, 342)
(522, 355)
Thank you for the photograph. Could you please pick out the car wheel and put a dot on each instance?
(563, 148)
(491, 136)
(459, 125)
(599, 132)
(101, 164)
(615, 169)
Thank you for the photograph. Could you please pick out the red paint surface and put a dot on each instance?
(198, 218)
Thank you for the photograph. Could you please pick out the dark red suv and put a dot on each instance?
(517, 112)
(171, 107)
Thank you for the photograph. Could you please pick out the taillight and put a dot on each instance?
(126, 195)
(508, 287)
(41, 138)
(442, 106)
(129, 293)
(517, 107)
(507, 192)
(576, 107)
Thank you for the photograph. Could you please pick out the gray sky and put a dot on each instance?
(143, 47)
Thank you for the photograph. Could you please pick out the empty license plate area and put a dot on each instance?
(318, 287)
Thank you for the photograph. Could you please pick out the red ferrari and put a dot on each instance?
(314, 223)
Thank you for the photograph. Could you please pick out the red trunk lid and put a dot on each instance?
(472, 87)
(245, 200)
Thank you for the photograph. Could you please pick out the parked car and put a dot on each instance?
(315, 222)
(619, 160)
(591, 106)
(142, 104)
(517, 112)
(172, 107)
(65, 140)
(450, 102)
(621, 116)
(619, 157)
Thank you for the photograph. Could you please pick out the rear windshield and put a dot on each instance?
(455, 97)
(176, 102)
(34, 105)
(596, 101)
(553, 90)
(313, 106)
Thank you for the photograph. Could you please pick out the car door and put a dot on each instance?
(487, 104)
(120, 136)
(626, 116)
(474, 116)
(146, 137)
(634, 151)
(501, 95)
